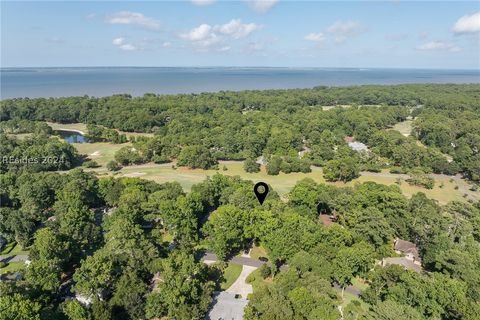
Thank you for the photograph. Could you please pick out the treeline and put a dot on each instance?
(249, 124)
(117, 258)
(36, 153)
(147, 113)
(98, 133)
(16, 126)
(455, 130)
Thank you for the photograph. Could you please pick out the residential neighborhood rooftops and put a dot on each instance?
(402, 261)
(407, 247)
(355, 145)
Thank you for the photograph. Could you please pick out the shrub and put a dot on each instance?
(158, 158)
(128, 155)
(419, 178)
(397, 170)
(113, 166)
(274, 165)
(251, 166)
(90, 164)
(265, 271)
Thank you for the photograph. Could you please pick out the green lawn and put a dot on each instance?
(256, 280)
(404, 127)
(101, 152)
(348, 297)
(258, 251)
(359, 283)
(13, 249)
(68, 126)
(12, 267)
(83, 127)
(443, 194)
(282, 183)
(9, 247)
(231, 274)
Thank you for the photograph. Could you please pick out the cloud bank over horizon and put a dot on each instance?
(249, 32)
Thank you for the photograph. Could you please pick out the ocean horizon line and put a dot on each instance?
(237, 67)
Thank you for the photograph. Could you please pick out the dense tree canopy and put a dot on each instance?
(132, 248)
(248, 124)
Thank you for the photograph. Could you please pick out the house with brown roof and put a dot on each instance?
(408, 249)
(410, 260)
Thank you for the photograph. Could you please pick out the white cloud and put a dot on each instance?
(133, 18)
(91, 16)
(206, 37)
(225, 48)
(128, 47)
(202, 37)
(236, 29)
(202, 2)
(121, 44)
(315, 37)
(439, 46)
(199, 33)
(467, 24)
(345, 29)
(167, 44)
(118, 41)
(262, 6)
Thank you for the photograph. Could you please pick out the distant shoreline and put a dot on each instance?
(238, 67)
(137, 81)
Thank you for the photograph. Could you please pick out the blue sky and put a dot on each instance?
(396, 34)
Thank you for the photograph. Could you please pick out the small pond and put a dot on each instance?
(71, 136)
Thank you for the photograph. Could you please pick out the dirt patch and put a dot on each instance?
(95, 154)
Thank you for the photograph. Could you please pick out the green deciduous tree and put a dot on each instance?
(16, 306)
(344, 169)
(184, 291)
(225, 230)
(196, 157)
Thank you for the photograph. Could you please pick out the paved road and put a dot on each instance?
(384, 174)
(226, 307)
(257, 263)
(18, 258)
(350, 289)
(239, 260)
(240, 286)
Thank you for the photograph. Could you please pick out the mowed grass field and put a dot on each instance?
(282, 183)
(404, 127)
(101, 152)
(83, 128)
(68, 126)
(443, 194)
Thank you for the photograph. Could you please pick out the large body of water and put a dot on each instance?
(56, 82)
